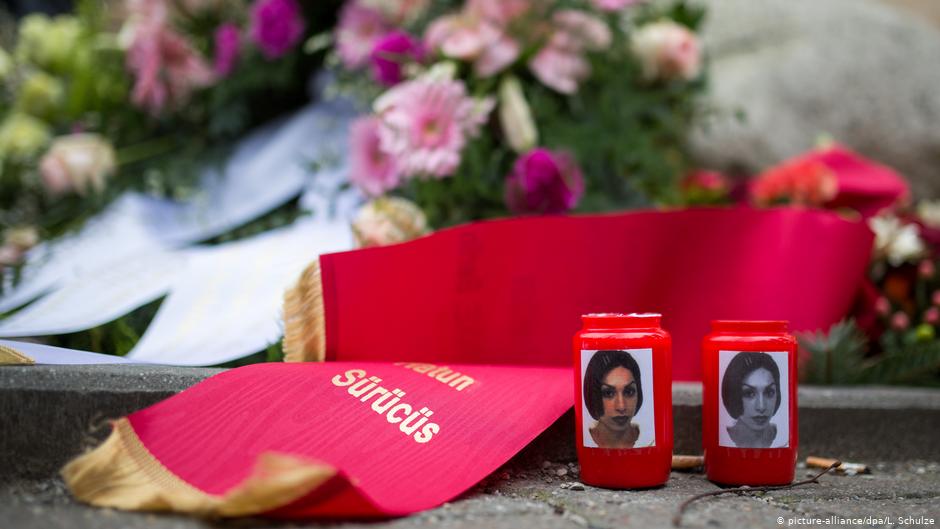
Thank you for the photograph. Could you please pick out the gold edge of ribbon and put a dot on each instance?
(304, 318)
(12, 357)
(121, 473)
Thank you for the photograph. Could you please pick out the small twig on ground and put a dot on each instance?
(677, 519)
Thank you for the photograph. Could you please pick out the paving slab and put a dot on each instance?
(529, 493)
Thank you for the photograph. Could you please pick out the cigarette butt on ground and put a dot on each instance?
(844, 467)
(687, 462)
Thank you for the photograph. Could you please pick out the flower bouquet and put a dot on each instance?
(891, 336)
(485, 108)
(141, 95)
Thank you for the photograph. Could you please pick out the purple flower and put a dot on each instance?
(276, 26)
(390, 53)
(227, 42)
(543, 181)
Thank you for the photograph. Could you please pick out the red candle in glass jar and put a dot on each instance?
(623, 400)
(749, 403)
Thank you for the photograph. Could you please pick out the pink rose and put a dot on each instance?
(667, 50)
(543, 181)
(560, 70)
(471, 37)
(77, 162)
(561, 64)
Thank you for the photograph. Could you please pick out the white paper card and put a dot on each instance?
(228, 302)
(264, 173)
(96, 296)
(268, 169)
(49, 355)
(124, 229)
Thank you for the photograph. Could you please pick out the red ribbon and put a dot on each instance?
(507, 293)
(512, 291)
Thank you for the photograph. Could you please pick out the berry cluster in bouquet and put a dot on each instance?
(137, 94)
(485, 108)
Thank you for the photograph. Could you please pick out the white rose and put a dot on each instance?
(388, 220)
(897, 242)
(667, 50)
(77, 162)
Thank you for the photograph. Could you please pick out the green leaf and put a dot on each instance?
(910, 364)
(836, 357)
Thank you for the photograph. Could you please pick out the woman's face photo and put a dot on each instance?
(617, 386)
(759, 394)
(754, 411)
(619, 395)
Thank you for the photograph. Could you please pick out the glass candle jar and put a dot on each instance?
(749, 403)
(623, 400)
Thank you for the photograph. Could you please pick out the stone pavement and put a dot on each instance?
(529, 493)
(48, 414)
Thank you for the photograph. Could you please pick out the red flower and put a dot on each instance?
(799, 181)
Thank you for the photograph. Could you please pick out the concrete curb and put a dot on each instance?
(49, 414)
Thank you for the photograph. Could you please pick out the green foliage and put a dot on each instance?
(76, 64)
(906, 362)
(475, 191)
(81, 59)
(627, 135)
(686, 13)
(839, 357)
(836, 358)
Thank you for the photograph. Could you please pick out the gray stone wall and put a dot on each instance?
(864, 72)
